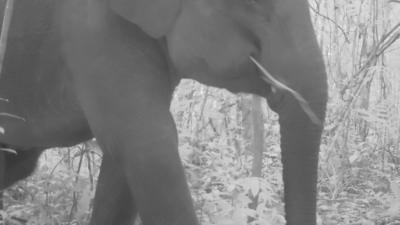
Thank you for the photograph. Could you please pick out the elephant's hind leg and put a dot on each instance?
(14, 167)
(20, 165)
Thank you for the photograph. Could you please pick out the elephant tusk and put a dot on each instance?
(12, 116)
(8, 114)
(2, 130)
(9, 150)
(268, 78)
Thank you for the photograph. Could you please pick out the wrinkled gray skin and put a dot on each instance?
(79, 69)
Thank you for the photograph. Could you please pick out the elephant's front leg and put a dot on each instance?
(113, 203)
(124, 89)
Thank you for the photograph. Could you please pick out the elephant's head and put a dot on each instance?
(212, 41)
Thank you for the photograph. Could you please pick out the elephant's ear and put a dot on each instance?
(155, 17)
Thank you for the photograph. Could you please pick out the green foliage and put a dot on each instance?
(213, 149)
(359, 169)
(59, 193)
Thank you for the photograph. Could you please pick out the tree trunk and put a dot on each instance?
(258, 136)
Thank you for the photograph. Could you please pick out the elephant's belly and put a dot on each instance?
(27, 134)
(36, 83)
(43, 127)
(41, 116)
(41, 108)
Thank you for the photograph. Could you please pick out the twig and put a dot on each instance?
(385, 42)
(378, 50)
(12, 116)
(332, 21)
(9, 150)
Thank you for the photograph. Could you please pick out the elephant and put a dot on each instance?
(78, 69)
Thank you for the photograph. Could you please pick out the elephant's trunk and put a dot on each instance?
(300, 140)
(290, 52)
